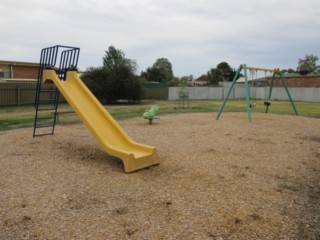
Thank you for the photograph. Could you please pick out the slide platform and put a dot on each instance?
(109, 134)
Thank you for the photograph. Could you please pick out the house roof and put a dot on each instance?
(16, 63)
(242, 80)
(200, 81)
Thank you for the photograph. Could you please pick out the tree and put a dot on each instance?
(100, 84)
(174, 82)
(165, 66)
(154, 75)
(233, 74)
(307, 64)
(214, 76)
(187, 78)
(115, 79)
(226, 71)
(161, 71)
(116, 57)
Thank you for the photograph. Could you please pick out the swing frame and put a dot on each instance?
(276, 72)
(253, 86)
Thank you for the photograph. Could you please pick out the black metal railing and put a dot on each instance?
(61, 59)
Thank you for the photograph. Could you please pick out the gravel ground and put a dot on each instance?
(225, 179)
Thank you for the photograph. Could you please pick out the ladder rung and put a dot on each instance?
(43, 118)
(49, 100)
(46, 102)
(48, 90)
(46, 109)
(42, 134)
(44, 126)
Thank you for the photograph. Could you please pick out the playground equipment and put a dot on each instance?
(150, 114)
(47, 99)
(267, 103)
(108, 133)
(183, 97)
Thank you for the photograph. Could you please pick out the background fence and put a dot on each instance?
(156, 93)
(16, 94)
(23, 93)
(239, 92)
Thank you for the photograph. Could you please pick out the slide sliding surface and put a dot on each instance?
(109, 134)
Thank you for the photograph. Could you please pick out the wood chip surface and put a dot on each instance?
(226, 179)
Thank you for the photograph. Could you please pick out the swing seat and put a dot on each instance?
(267, 103)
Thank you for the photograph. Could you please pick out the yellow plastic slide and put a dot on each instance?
(109, 134)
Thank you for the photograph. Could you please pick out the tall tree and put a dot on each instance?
(226, 71)
(214, 76)
(154, 74)
(115, 79)
(161, 71)
(165, 66)
(116, 57)
(307, 64)
(187, 78)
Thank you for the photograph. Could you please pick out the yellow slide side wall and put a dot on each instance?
(109, 134)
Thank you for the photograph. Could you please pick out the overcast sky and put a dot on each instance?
(195, 35)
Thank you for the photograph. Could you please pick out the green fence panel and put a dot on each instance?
(156, 93)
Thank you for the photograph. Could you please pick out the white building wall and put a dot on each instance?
(239, 92)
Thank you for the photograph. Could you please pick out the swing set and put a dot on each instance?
(275, 72)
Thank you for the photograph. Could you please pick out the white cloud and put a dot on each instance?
(194, 35)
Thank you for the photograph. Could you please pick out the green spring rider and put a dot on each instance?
(150, 114)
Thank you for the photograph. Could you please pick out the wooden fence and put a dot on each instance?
(17, 94)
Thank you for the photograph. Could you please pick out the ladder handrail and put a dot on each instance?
(61, 61)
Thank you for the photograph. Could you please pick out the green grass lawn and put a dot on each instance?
(23, 116)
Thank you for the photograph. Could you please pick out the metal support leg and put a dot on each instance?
(289, 95)
(247, 92)
(229, 91)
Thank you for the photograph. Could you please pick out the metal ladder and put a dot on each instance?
(47, 95)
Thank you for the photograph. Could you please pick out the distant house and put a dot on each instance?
(303, 81)
(292, 80)
(257, 82)
(201, 81)
(18, 71)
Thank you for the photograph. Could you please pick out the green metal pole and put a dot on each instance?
(229, 91)
(247, 92)
(270, 91)
(289, 95)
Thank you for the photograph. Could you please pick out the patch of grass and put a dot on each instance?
(23, 116)
(9, 124)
